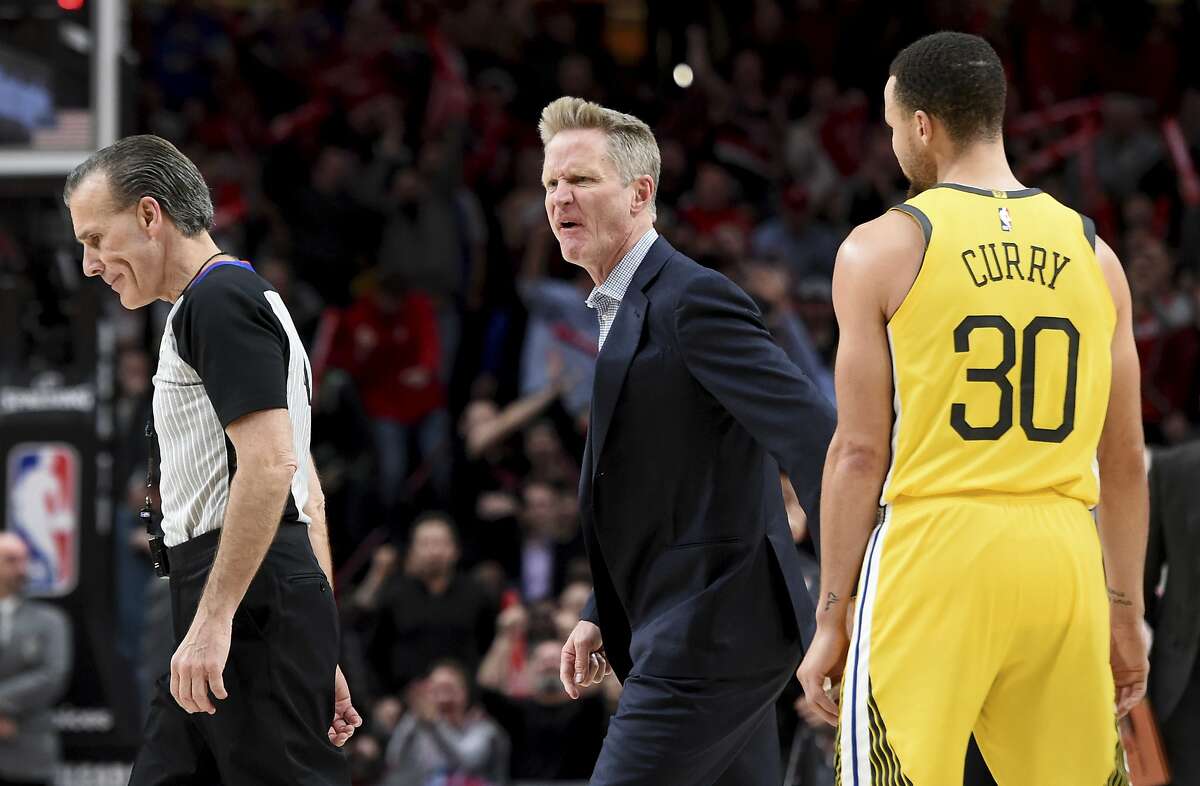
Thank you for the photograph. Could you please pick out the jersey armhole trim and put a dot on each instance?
(922, 220)
(917, 215)
(1089, 230)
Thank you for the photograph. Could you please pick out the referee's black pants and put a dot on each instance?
(279, 677)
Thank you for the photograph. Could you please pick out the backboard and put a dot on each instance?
(59, 83)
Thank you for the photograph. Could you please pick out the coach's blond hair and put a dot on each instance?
(631, 144)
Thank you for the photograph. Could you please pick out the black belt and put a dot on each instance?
(201, 549)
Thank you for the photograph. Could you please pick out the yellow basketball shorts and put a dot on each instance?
(986, 616)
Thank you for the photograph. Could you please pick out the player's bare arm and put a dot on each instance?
(1124, 508)
(266, 463)
(875, 267)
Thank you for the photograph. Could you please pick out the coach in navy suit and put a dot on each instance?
(699, 605)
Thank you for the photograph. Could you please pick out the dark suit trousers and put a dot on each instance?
(694, 732)
(271, 730)
(1181, 733)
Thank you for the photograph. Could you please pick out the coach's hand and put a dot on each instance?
(825, 659)
(583, 661)
(197, 665)
(345, 718)
(1130, 665)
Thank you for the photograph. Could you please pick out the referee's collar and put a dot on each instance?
(617, 282)
(234, 262)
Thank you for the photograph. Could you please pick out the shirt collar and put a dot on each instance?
(617, 282)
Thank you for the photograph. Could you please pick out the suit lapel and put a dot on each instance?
(613, 363)
(620, 346)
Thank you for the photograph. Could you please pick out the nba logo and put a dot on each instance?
(1005, 220)
(43, 509)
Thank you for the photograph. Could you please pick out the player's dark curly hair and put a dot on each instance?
(957, 78)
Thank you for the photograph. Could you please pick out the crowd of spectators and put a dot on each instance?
(379, 163)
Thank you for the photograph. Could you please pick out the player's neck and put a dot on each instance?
(982, 165)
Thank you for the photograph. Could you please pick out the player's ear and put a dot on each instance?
(924, 126)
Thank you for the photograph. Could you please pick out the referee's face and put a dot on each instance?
(119, 245)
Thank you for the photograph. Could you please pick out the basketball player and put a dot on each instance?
(986, 362)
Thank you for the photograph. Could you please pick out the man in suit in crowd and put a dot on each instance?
(699, 603)
(1174, 543)
(35, 663)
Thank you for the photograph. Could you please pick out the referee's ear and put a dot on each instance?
(150, 216)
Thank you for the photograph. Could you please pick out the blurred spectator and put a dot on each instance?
(572, 600)
(502, 668)
(443, 739)
(1140, 215)
(576, 77)
(547, 540)
(561, 336)
(710, 209)
(1172, 587)
(301, 299)
(429, 612)
(432, 231)
(806, 159)
(814, 304)
(1168, 342)
(1059, 52)
(553, 737)
(878, 184)
(797, 237)
(492, 468)
(770, 284)
(388, 342)
(328, 225)
(131, 558)
(35, 665)
(548, 459)
(1127, 148)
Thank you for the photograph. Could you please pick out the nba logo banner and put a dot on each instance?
(43, 509)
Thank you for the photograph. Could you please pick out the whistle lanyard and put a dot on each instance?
(158, 550)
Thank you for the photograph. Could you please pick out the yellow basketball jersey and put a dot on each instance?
(1001, 353)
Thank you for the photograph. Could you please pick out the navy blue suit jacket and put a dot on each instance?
(694, 411)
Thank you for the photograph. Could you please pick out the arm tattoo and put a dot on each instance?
(830, 600)
(1118, 598)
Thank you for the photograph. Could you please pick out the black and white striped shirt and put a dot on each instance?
(229, 349)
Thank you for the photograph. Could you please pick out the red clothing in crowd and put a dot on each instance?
(389, 345)
(708, 222)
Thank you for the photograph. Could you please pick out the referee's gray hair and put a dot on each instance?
(150, 166)
(631, 144)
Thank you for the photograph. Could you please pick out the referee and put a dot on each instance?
(254, 680)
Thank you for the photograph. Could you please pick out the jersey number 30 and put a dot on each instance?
(998, 376)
